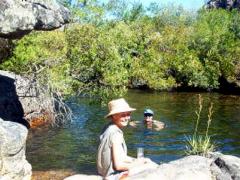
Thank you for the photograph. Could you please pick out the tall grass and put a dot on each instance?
(198, 144)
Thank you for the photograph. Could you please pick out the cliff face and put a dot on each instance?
(225, 4)
(19, 17)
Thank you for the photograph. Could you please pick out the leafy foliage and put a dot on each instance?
(199, 145)
(95, 62)
(107, 51)
(42, 54)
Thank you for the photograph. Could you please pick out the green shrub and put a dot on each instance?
(164, 50)
(216, 44)
(43, 55)
(95, 62)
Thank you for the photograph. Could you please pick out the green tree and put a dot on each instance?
(95, 62)
(215, 44)
(42, 54)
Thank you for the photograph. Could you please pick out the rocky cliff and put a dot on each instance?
(19, 17)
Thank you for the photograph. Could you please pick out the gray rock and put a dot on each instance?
(82, 176)
(191, 168)
(19, 17)
(228, 166)
(215, 167)
(13, 163)
(10, 106)
(20, 99)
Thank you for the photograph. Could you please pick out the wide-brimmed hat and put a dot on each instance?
(118, 106)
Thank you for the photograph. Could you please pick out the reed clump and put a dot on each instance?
(199, 144)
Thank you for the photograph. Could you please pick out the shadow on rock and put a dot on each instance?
(10, 107)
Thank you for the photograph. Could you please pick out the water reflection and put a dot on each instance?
(74, 146)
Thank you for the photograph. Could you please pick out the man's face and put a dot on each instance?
(121, 119)
(148, 118)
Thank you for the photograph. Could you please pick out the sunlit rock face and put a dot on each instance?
(226, 4)
(13, 163)
(19, 17)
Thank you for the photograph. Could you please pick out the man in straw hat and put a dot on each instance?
(112, 159)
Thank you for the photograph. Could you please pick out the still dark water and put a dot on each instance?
(74, 146)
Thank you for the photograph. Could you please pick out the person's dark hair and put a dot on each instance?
(147, 115)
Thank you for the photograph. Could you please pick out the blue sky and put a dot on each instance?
(187, 4)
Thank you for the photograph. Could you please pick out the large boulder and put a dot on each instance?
(13, 163)
(215, 167)
(190, 167)
(19, 17)
(225, 167)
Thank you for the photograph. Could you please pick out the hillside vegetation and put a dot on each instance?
(108, 49)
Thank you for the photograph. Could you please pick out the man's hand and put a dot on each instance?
(158, 125)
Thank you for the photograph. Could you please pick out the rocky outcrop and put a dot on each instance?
(20, 99)
(226, 4)
(19, 17)
(216, 167)
(191, 168)
(13, 163)
(225, 167)
(10, 107)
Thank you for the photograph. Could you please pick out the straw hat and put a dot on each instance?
(118, 106)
